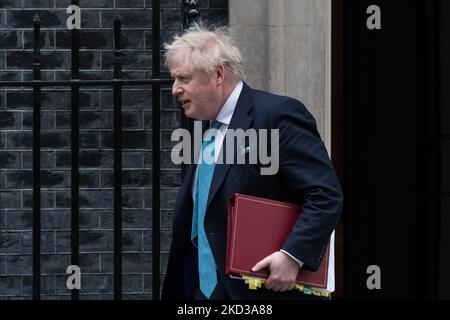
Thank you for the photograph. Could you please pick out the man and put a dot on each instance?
(208, 72)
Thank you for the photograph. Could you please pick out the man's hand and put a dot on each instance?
(283, 271)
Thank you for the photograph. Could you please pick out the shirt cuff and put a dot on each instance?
(290, 255)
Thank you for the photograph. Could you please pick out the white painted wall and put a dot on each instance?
(286, 46)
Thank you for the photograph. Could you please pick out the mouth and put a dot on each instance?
(184, 102)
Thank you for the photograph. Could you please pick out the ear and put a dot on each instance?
(220, 74)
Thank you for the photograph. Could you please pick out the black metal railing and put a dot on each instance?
(190, 15)
(75, 138)
(117, 83)
(36, 161)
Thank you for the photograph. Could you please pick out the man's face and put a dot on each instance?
(198, 93)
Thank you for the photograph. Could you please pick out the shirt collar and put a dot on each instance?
(227, 110)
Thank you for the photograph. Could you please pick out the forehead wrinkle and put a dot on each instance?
(180, 74)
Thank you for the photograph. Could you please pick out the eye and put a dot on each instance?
(185, 80)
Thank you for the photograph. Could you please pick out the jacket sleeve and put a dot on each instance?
(307, 170)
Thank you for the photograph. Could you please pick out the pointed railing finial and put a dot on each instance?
(191, 13)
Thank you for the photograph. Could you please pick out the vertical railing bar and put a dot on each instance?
(75, 132)
(156, 150)
(117, 161)
(36, 162)
(190, 15)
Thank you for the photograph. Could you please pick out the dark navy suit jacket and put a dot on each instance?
(305, 176)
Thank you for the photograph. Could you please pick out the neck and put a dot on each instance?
(228, 90)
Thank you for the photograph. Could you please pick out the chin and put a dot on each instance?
(189, 114)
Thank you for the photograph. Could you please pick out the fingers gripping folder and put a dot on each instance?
(257, 227)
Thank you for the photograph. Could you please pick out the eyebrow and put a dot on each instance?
(181, 74)
(177, 75)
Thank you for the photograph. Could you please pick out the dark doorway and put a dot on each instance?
(391, 107)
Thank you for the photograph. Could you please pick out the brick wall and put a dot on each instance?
(96, 153)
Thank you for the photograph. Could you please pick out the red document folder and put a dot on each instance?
(257, 227)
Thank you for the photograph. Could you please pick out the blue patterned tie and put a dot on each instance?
(206, 264)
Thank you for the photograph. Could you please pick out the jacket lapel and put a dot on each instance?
(240, 120)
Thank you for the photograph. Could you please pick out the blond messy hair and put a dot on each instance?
(204, 50)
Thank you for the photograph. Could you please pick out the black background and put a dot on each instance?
(396, 129)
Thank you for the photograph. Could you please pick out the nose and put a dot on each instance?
(176, 89)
